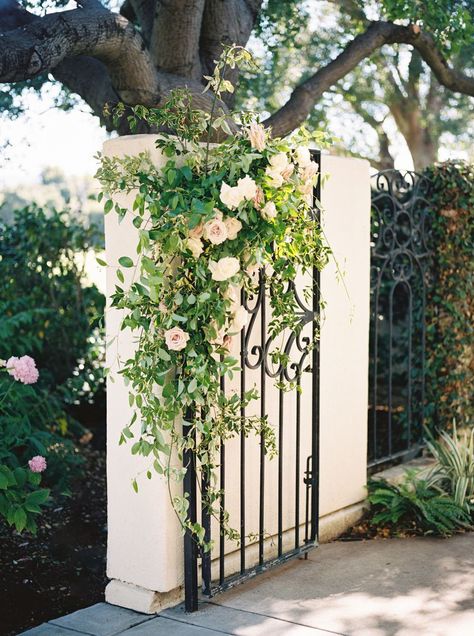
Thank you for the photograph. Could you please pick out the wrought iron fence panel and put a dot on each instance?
(273, 526)
(400, 260)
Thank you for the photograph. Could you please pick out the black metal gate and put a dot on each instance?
(288, 528)
(400, 259)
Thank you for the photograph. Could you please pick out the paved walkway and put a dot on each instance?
(402, 587)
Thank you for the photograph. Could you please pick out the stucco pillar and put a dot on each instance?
(144, 551)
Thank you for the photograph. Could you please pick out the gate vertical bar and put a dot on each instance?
(190, 546)
(316, 156)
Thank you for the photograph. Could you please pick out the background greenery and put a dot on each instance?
(51, 312)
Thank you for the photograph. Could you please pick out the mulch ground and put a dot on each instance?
(62, 569)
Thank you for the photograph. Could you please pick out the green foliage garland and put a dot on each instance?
(207, 221)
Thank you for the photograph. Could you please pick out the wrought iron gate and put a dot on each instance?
(400, 260)
(289, 527)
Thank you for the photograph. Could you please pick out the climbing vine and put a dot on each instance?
(450, 305)
(208, 221)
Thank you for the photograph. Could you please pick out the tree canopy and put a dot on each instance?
(137, 51)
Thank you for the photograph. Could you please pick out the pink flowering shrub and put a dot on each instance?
(37, 464)
(23, 369)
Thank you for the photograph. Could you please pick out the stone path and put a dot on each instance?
(397, 587)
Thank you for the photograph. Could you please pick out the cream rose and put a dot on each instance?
(176, 339)
(247, 188)
(276, 179)
(269, 211)
(224, 268)
(279, 161)
(229, 196)
(232, 197)
(239, 320)
(215, 230)
(195, 246)
(302, 156)
(233, 226)
(256, 135)
(309, 171)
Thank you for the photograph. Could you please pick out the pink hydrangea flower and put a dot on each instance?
(23, 369)
(37, 464)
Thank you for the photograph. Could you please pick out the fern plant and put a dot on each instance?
(454, 468)
(417, 504)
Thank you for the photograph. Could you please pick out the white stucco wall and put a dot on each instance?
(145, 542)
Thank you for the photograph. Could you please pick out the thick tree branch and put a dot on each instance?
(95, 53)
(40, 46)
(174, 42)
(229, 22)
(304, 97)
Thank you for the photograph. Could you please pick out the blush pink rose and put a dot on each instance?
(23, 369)
(196, 232)
(215, 231)
(176, 339)
(37, 464)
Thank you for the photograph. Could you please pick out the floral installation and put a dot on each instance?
(208, 220)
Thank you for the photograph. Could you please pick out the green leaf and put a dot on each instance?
(3, 481)
(109, 204)
(100, 261)
(19, 519)
(125, 261)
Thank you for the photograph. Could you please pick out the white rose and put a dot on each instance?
(269, 211)
(303, 156)
(247, 188)
(279, 161)
(233, 226)
(229, 196)
(309, 171)
(215, 231)
(239, 320)
(176, 339)
(195, 246)
(225, 268)
(256, 134)
(276, 180)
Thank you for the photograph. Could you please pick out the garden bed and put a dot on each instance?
(63, 568)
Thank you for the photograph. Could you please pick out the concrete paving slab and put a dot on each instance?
(167, 627)
(403, 587)
(393, 587)
(101, 619)
(46, 629)
(240, 622)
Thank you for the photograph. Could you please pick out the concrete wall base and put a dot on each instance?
(335, 523)
(140, 599)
